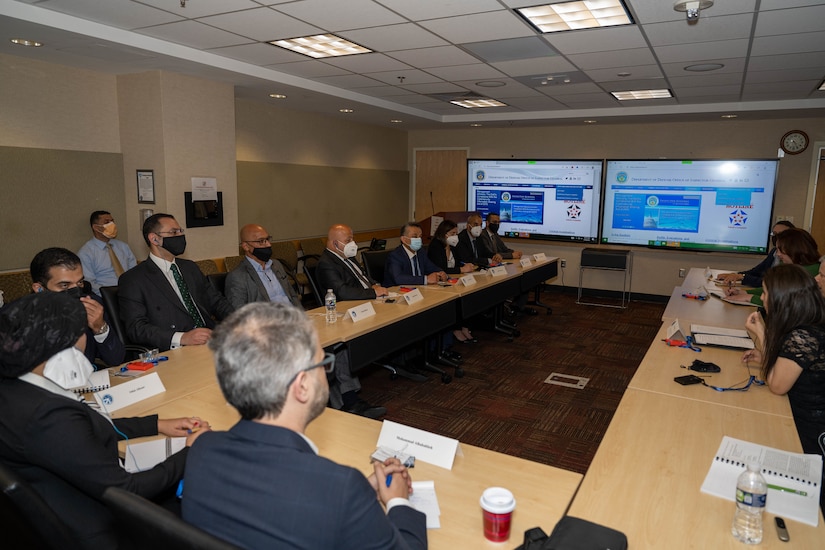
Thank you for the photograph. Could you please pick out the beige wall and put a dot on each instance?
(655, 272)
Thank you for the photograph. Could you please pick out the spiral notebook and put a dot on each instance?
(794, 479)
(99, 380)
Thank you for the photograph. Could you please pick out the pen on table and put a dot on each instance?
(389, 480)
(780, 488)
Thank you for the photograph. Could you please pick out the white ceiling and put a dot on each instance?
(773, 52)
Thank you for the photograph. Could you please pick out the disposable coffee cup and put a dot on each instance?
(497, 505)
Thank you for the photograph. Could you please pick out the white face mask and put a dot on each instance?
(452, 240)
(69, 369)
(475, 231)
(350, 249)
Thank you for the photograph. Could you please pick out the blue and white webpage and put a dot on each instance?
(721, 205)
(538, 199)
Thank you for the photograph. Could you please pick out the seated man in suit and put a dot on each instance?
(60, 270)
(337, 269)
(271, 368)
(166, 302)
(471, 249)
(104, 257)
(495, 245)
(259, 279)
(405, 266)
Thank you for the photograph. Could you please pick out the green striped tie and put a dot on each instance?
(187, 298)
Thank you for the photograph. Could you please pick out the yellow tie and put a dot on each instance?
(115, 261)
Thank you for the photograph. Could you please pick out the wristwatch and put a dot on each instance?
(103, 329)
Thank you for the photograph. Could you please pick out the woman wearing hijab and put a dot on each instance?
(66, 450)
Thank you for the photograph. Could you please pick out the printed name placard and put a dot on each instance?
(413, 296)
(361, 312)
(525, 261)
(675, 331)
(428, 447)
(129, 393)
(498, 271)
(468, 280)
(540, 257)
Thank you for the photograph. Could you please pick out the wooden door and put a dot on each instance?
(442, 172)
(818, 218)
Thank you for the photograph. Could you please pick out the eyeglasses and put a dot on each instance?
(262, 242)
(173, 232)
(328, 362)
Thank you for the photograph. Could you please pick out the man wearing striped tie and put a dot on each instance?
(104, 257)
(166, 302)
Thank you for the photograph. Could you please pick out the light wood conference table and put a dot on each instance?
(713, 311)
(646, 476)
(662, 363)
(542, 492)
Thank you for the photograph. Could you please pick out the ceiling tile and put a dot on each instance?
(123, 15)
(261, 24)
(194, 35)
(791, 21)
(588, 100)
(434, 88)
(782, 75)
(419, 10)
(729, 65)
(535, 103)
(511, 89)
(789, 43)
(337, 15)
(393, 37)
(696, 53)
(442, 56)
(507, 50)
(607, 59)
(383, 91)
(259, 54)
(410, 76)
(496, 25)
(597, 40)
(367, 63)
(653, 11)
(549, 65)
(731, 92)
(466, 72)
(202, 8)
(348, 81)
(788, 61)
(639, 71)
(712, 78)
(712, 29)
(565, 90)
(794, 87)
(309, 69)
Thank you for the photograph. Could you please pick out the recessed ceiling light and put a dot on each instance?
(575, 15)
(277, 96)
(491, 84)
(729, 116)
(321, 45)
(26, 42)
(590, 121)
(346, 111)
(396, 121)
(623, 75)
(475, 125)
(703, 67)
(641, 94)
(822, 86)
(478, 103)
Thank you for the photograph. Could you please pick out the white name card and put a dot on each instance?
(361, 312)
(540, 257)
(675, 331)
(468, 280)
(525, 261)
(129, 393)
(413, 296)
(425, 446)
(497, 271)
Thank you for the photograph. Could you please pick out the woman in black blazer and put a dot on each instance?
(442, 253)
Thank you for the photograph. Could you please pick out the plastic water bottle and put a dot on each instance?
(330, 303)
(708, 273)
(751, 494)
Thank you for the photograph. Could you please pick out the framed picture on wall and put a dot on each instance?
(146, 186)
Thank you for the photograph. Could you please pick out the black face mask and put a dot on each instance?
(175, 245)
(264, 253)
(493, 227)
(76, 292)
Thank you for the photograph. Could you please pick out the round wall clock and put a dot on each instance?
(794, 142)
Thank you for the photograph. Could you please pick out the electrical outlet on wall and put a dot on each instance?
(681, 272)
(563, 263)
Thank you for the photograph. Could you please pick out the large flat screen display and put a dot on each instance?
(710, 205)
(538, 199)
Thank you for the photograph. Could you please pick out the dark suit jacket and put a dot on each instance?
(151, 310)
(111, 351)
(260, 486)
(332, 273)
(754, 276)
(398, 270)
(243, 286)
(464, 250)
(495, 245)
(68, 453)
(438, 255)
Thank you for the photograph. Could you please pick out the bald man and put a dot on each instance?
(258, 278)
(339, 271)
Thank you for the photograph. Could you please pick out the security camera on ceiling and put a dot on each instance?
(692, 8)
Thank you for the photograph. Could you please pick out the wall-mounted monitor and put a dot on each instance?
(699, 205)
(538, 199)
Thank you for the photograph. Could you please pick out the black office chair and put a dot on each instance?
(109, 295)
(218, 280)
(374, 261)
(144, 524)
(26, 519)
(309, 271)
(821, 439)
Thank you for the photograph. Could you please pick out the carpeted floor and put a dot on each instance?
(503, 404)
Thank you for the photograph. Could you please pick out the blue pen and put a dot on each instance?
(389, 480)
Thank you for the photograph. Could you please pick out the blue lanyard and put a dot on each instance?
(751, 380)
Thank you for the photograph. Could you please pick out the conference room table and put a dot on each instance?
(542, 492)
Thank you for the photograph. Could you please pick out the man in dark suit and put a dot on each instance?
(471, 248)
(241, 485)
(495, 245)
(338, 270)
(259, 279)
(60, 270)
(166, 302)
(405, 266)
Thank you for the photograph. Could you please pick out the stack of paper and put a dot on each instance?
(718, 336)
(424, 500)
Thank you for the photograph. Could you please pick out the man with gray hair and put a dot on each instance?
(262, 484)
